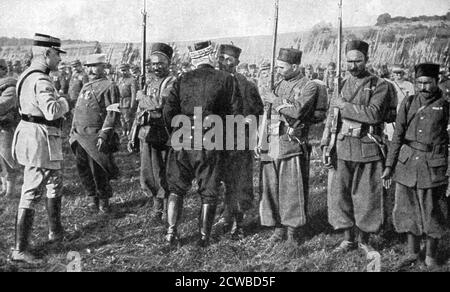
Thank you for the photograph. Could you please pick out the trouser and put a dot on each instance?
(356, 196)
(34, 180)
(6, 171)
(239, 182)
(153, 171)
(126, 119)
(285, 192)
(419, 211)
(205, 166)
(93, 177)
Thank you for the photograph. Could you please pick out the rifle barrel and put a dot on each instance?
(144, 44)
(274, 46)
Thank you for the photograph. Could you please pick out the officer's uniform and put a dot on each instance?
(357, 197)
(37, 145)
(127, 88)
(286, 178)
(213, 91)
(92, 121)
(77, 81)
(8, 122)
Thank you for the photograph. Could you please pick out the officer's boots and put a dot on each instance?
(237, 233)
(207, 216)
(24, 227)
(158, 209)
(56, 230)
(413, 254)
(174, 211)
(431, 253)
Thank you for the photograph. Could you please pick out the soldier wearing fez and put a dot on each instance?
(37, 144)
(127, 88)
(239, 169)
(149, 129)
(78, 79)
(356, 199)
(92, 137)
(213, 91)
(8, 121)
(285, 178)
(417, 162)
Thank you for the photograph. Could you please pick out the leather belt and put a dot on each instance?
(420, 146)
(42, 121)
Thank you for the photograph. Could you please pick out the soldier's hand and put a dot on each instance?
(387, 178)
(101, 145)
(326, 159)
(131, 147)
(269, 97)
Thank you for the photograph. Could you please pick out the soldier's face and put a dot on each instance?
(53, 59)
(160, 65)
(228, 63)
(97, 70)
(398, 76)
(356, 63)
(286, 70)
(426, 86)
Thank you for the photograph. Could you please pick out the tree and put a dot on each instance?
(384, 19)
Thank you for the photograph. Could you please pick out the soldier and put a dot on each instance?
(309, 71)
(128, 88)
(77, 81)
(240, 164)
(37, 144)
(243, 69)
(17, 68)
(92, 137)
(357, 199)
(149, 126)
(136, 73)
(444, 83)
(286, 178)
(8, 122)
(418, 159)
(213, 91)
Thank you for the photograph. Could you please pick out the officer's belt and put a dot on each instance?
(423, 147)
(42, 121)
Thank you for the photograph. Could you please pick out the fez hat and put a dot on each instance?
(357, 45)
(201, 49)
(46, 41)
(291, 56)
(427, 70)
(124, 66)
(95, 59)
(162, 49)
(75, 63)
(230, 50)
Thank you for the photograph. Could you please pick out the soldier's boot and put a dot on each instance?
(348, 244)
(292, 235)
(207, 215)
(94, 203)
(431, 254)
(24, 227)
(279, 234)
(237, 232)
(174, 212)
(158, 209)
(413, 255)
(56, 230)
(363, 242)
(10, 184)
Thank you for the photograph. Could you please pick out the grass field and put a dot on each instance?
(127, 239)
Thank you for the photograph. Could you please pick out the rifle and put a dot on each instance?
(330, 150)
(264, 130)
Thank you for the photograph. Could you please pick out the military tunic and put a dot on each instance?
(8, 123)
(240, 164)
(38, 146)
(419, 155)
(92, 121)
(127, 88)
(286, 178)
(357, 196)
(77, 81)
(213, 91)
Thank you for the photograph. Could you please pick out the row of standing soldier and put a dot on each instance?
(356, 202)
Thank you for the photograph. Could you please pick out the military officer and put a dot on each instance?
(8, 121)
(149, 126)
(240, 164)
(93, 138)
(128, 88)
(418, 159)
(213, 91)
(357, 199)
(286, 176)
(37, 144)
(77, 81)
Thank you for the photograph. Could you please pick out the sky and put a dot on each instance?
(178, 20)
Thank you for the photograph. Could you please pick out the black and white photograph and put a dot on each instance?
(207, 137)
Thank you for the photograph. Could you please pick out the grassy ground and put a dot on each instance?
(127, 240)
